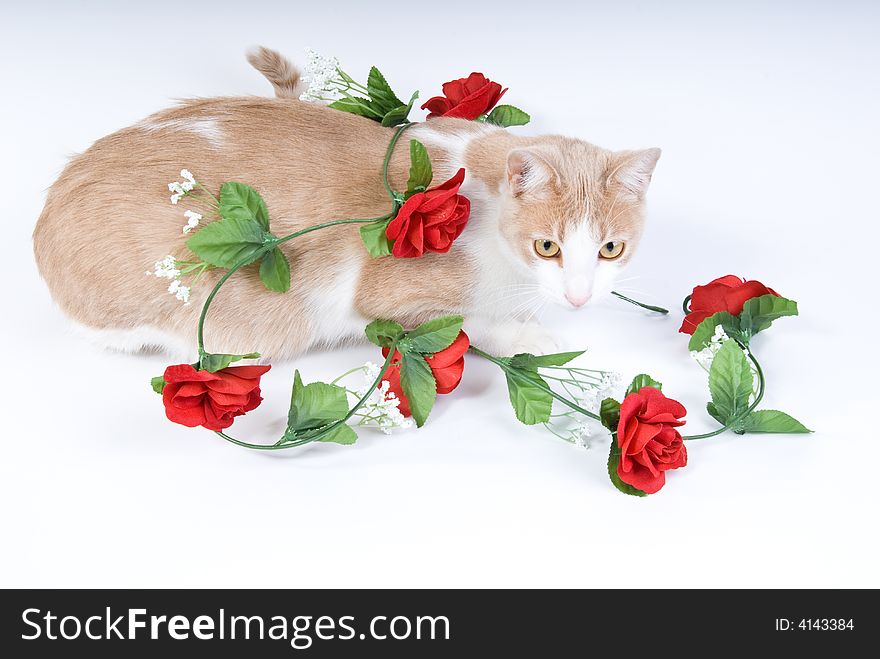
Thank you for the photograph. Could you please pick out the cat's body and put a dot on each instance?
(108, 219)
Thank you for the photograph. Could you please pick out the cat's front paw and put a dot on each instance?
(534, 339)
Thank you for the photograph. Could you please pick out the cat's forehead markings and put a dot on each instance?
(573, 212)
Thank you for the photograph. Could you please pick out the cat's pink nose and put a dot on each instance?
(578, 300)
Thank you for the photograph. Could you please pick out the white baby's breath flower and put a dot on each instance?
(320, 74)
(706, 356)
(181, 189)
(703, 357)
(581, 434)
(177, 190)
(591, 393)
(371, 372)
(189, 181)
(382, 406)
(178, 290)
(192, 220)
(182, 294)
(166, 268)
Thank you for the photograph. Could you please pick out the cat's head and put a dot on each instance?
(572, 214)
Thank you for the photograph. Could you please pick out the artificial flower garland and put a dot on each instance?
(422, 362)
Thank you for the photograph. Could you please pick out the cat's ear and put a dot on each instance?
(529, 172)
(633, 169)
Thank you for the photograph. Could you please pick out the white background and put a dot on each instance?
(767, 116)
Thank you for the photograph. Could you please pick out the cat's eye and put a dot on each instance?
(611, 250)
(546, 249)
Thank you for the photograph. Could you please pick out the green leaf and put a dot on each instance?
(227, 242)
(706, 329)
(399, 114)
(715, 414)
(508, 115)
(531, 403)
(420, 172)
(341, 434)
(640, 381)
(609, 414)
(381, 92)
(760, 312)
(730, 382)
(434, 335)
(532, 362)
(275, 271)
(213, 362)
(158, 384)
(613, 460)
(363, 107)
(772, 421)
(375, 240)
(418, 385)
(241, 202)
(315, 405)
(383, 332)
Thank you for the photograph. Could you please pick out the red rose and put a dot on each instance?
(648, 440)
(429, 221)
(465, 98)
(446, 365)
(212, 400)
(728, 293)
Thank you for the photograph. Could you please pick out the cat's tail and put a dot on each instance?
(283, 75)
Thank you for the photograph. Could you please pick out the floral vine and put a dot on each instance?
(232, 231)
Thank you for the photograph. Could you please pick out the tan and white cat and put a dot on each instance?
(552, 219)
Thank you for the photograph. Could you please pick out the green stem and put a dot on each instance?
(314, 435)
(388, 154)
(506, 367)
(739, 417)
(333, 223)
(366, 108)
(302, 232)
(347, 373)
(309, 436)
(266, 248)
(208, 192)
(686, 305)
(560, 435)
(347, 78)
(212, 295)
(649, 307)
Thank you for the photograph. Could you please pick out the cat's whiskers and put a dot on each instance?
(542, 304)
(513, 292)
(524, 306)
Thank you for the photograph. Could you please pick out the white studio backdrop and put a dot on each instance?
(767, 115)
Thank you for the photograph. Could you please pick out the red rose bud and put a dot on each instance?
(727, 293)
(447, 367)
(649, 443)
(465, 98)
(429, 221)
(211, 400)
